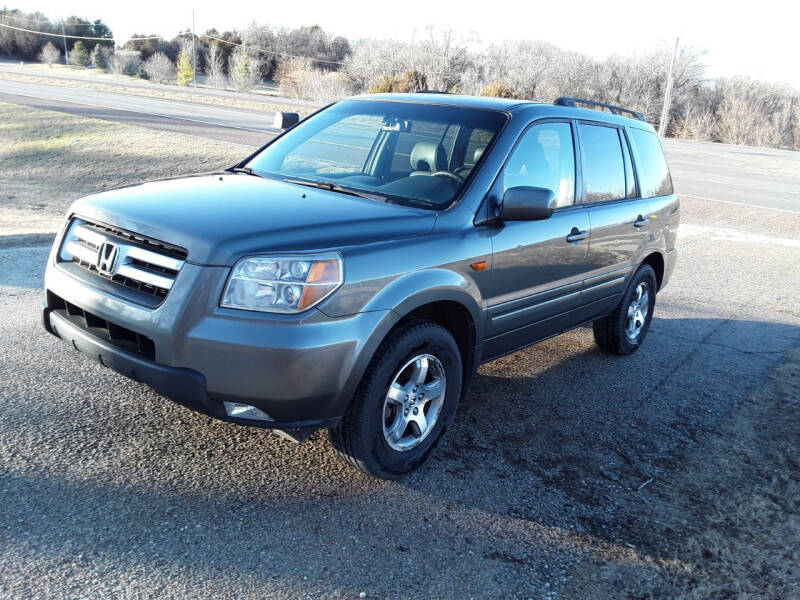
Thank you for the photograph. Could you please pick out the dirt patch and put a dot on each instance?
(49, 159)
(727, 523)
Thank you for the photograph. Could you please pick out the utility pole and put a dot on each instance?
(64, 39)
(662, 124)
(194, 56)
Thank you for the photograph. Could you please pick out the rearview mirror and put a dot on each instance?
(527, 204)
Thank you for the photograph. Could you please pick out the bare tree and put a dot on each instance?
(49, 54)
(159, 68)
(215, 67)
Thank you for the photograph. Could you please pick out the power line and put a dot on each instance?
(76, 37)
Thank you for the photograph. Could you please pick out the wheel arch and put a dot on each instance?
(438, 295)
(657, 262)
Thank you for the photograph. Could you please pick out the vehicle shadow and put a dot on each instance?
(516, 487)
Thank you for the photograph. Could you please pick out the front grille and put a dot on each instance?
(146, 266)
(114, 334)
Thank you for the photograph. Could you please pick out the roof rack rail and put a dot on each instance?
(616, 110)
(430, 92)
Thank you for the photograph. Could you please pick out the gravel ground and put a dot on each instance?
(109, 491)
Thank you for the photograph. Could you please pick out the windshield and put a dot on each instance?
(403, 152)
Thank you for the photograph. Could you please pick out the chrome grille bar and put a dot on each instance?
(98, 250)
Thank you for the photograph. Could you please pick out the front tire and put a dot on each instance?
(624, 330)
(404, 403)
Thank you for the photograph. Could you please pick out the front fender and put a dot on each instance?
(408, 292)
(402, 296)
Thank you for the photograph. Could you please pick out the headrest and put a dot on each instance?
(478, 153)
(428, 156)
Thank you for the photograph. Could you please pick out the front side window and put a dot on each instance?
(403, 152)
(603, 165)
(654, 177)
(544, 158)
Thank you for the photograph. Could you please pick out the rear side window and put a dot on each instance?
(544, 158)
(603, 165)
(654, 177)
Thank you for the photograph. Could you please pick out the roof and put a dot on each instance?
(508, 105)
(485, 102)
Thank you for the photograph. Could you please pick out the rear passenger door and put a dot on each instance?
(537, 266)
(617, 213)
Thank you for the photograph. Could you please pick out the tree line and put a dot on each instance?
(310, 63)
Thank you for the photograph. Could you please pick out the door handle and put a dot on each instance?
(576, 235)
(641, 221)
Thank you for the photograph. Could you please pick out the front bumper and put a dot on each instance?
(300, 370)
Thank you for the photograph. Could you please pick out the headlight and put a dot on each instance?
(282, 284)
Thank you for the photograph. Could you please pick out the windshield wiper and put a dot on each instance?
(246, 170)
(335, 187)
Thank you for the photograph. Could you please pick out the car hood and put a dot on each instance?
(221, 217)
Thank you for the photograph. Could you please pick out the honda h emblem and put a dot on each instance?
(107, 258)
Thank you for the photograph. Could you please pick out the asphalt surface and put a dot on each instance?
(109, 491)
(228, 124)
(13, 68)
(762, 177)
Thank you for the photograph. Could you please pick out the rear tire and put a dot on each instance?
(396, 418)
(624, 330)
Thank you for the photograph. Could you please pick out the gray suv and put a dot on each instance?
(354, 272)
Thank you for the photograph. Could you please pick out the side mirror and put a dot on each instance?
(527, 204)
(285, 120)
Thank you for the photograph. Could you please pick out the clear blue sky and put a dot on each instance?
(759, 41)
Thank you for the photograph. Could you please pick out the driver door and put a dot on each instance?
(538, 266)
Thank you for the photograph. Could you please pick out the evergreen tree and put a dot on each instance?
(185, 71)
(79, 57)
(99, 59)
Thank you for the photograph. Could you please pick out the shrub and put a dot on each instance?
(498, 89)
(413, 81)
(159, 68)
(185, 70)
(79, 57)
(385, 84)
(49, 54)
(125, 62)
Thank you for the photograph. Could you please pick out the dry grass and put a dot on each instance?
(116, 83)
(728, 523)
(48, 159)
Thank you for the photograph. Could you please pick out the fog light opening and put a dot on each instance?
(245, 411)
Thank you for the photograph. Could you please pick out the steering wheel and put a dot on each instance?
(457, 178)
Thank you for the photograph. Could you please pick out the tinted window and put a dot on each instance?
(603, 166)
(654, 177)
(544, 158)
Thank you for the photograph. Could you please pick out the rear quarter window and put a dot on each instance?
(651, 165)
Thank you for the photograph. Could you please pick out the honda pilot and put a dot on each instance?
(354, 272)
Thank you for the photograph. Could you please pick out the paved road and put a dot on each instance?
(13, 68)
(217, 122)
(111, 491)
(761, 177)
